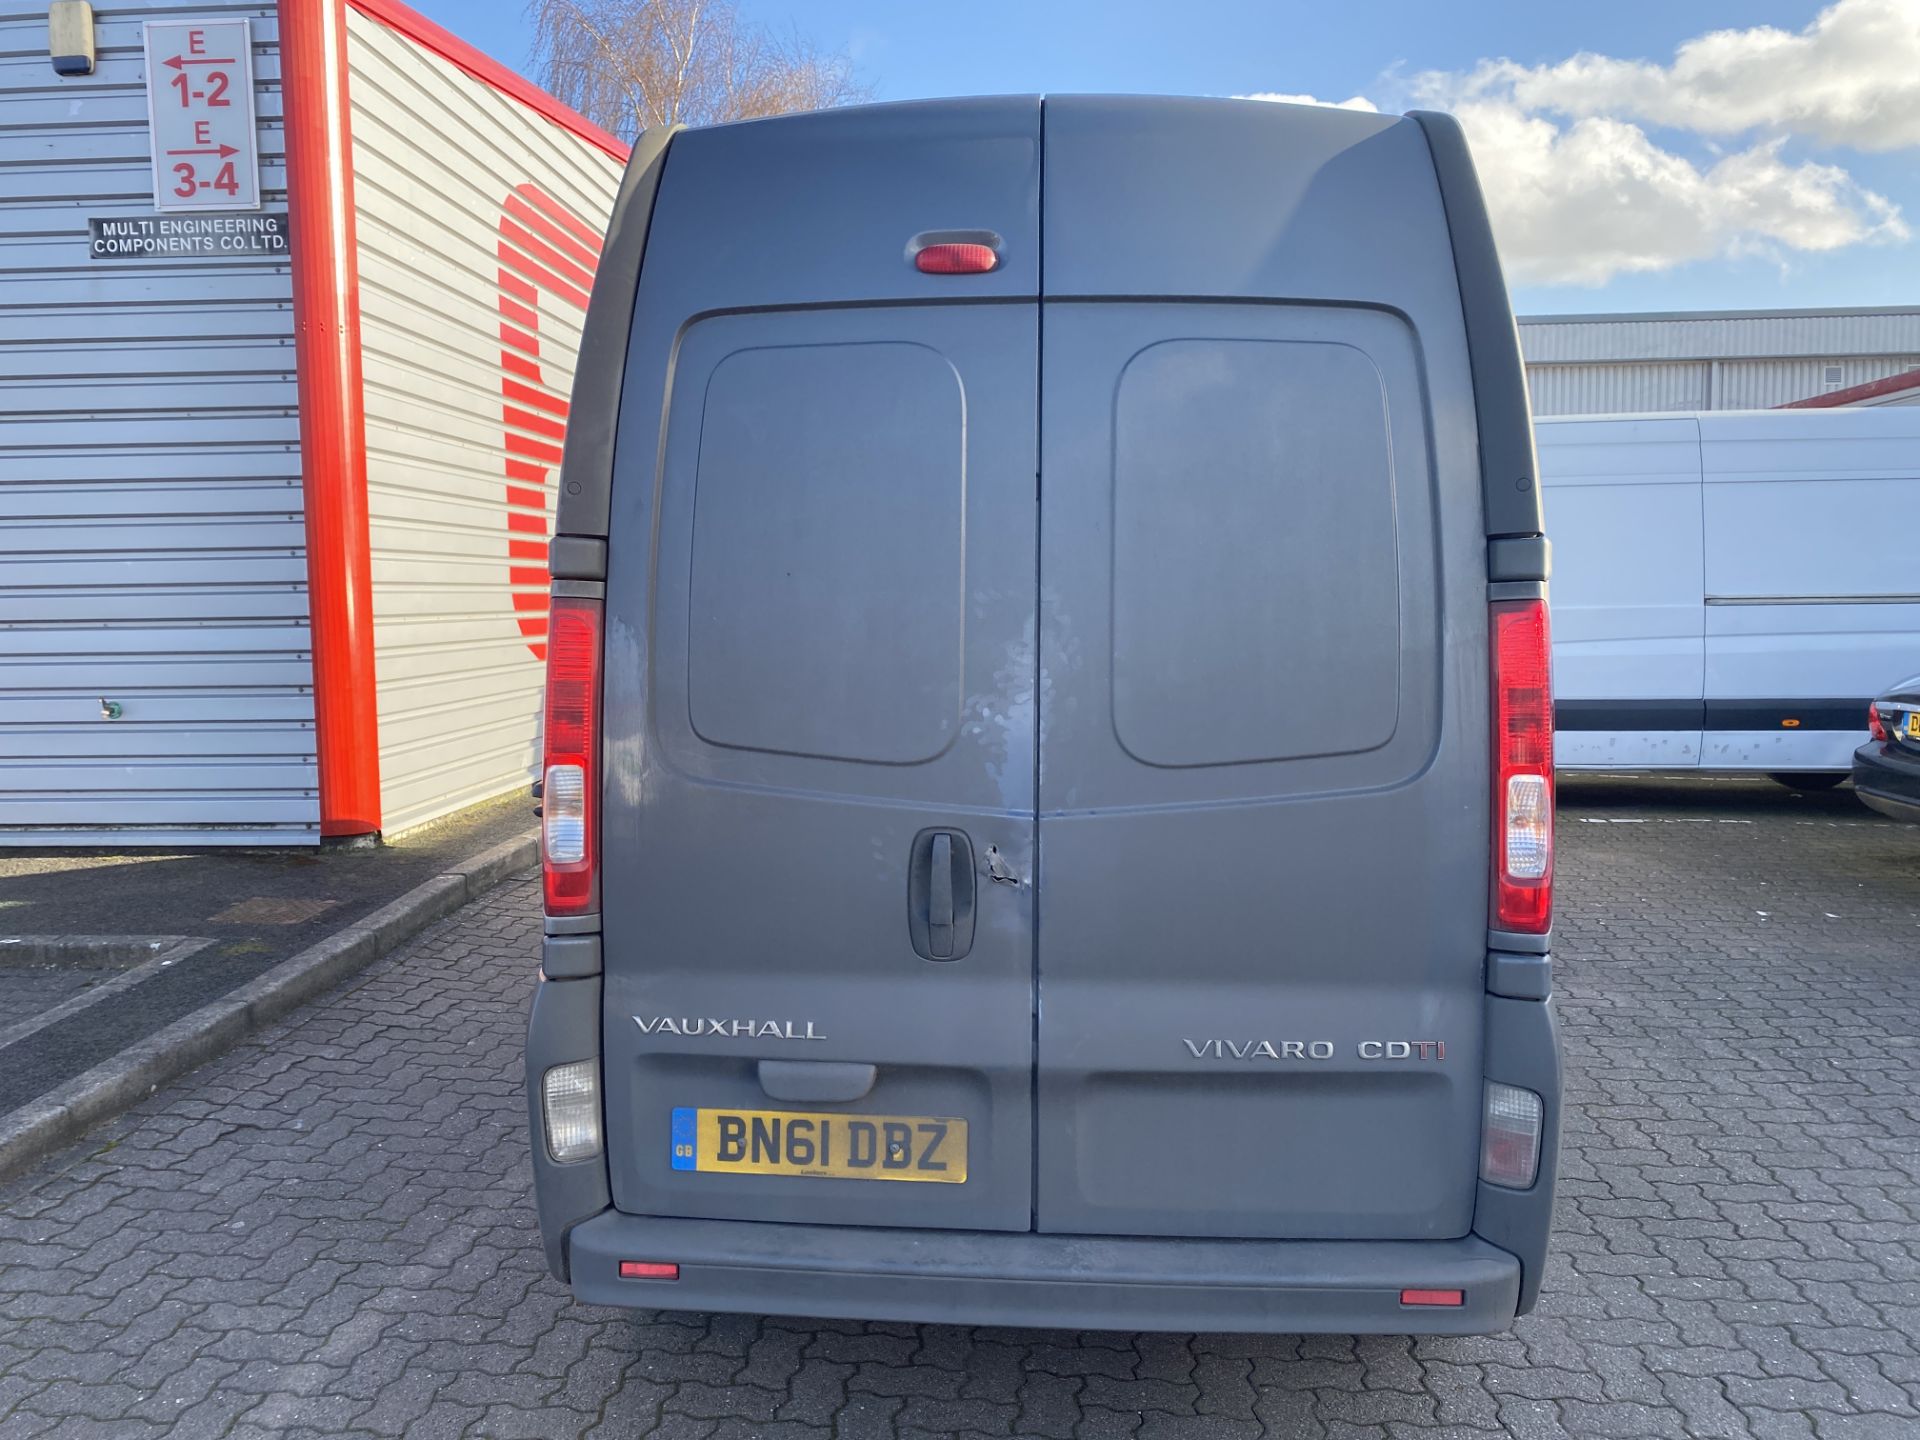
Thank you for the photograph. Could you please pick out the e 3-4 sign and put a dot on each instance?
(200, 109)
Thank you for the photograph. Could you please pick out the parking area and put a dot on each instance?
(328, 1231)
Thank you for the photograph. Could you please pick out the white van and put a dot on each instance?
(1730, 588)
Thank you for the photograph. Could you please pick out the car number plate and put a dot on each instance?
(824, 1146)
(1913, 725)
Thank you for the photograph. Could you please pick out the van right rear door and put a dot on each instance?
(1263, 802)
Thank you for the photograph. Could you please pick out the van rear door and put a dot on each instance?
(1264, 735)
(820, 681)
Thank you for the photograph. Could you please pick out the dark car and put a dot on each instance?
(1886, 770)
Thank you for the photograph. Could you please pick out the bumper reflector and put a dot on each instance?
(1433, 1297)
(648, 1270)
(1510, 1136)
(570, 1104)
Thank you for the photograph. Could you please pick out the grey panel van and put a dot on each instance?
(1048, 786)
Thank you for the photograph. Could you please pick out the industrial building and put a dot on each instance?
(1720, 360)
(293, 297)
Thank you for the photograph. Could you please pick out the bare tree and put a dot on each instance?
(630, 64)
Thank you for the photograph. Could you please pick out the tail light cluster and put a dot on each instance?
(570, 795)
(1522, 768)
(1876, 723)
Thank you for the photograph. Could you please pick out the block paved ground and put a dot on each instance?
(328, 1232)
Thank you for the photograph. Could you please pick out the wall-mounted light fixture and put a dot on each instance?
(70, 37)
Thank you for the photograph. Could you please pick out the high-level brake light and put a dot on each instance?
(1522, 767)
(569, 805)
(955, 259)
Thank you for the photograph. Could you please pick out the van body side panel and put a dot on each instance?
(1629, 658)
(1809, 613)
(820, 646)
(1264, 745)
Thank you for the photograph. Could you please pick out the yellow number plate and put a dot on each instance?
(837, 1147)
(1913, 725)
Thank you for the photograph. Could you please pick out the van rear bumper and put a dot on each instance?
(1050, 1281)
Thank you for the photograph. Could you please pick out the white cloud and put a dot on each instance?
(1580, 193)
(1850, 78)
(1584, 202)
(1353, 102)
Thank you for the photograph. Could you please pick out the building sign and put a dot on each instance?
(142, 237)
(200, 112)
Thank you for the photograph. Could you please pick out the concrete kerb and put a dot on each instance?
(42, 1126)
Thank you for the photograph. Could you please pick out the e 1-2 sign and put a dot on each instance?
(200, 111)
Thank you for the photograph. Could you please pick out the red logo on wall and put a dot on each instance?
(545, 250)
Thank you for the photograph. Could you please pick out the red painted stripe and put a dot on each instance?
(518, 288)
(557, 264)
(522, 445)
(547, 280)
(539, 399)
(553, 234)
(488, 71)
(332, 400)
(556, 211)
(548, 232)
(527, 420)
(519, 339)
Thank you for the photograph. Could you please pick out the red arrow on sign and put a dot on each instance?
(177, 61)
(221, 150)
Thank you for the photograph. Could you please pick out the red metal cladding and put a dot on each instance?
(333, 431)
(545, 250)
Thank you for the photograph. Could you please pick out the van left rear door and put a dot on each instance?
(837, 750)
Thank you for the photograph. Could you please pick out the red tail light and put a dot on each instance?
(570, 793)
(1522, 767)
(1875, 724)
(1433, 1297)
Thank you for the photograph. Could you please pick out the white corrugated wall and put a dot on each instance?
(1763, 384)
(1637, 364)
(152, 553)
(1618, 389)
(1726, 335)
(466, 395)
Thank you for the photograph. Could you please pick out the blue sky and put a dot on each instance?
(1742, 174)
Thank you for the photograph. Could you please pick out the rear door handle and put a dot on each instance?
(940, 894)
(940, 898)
